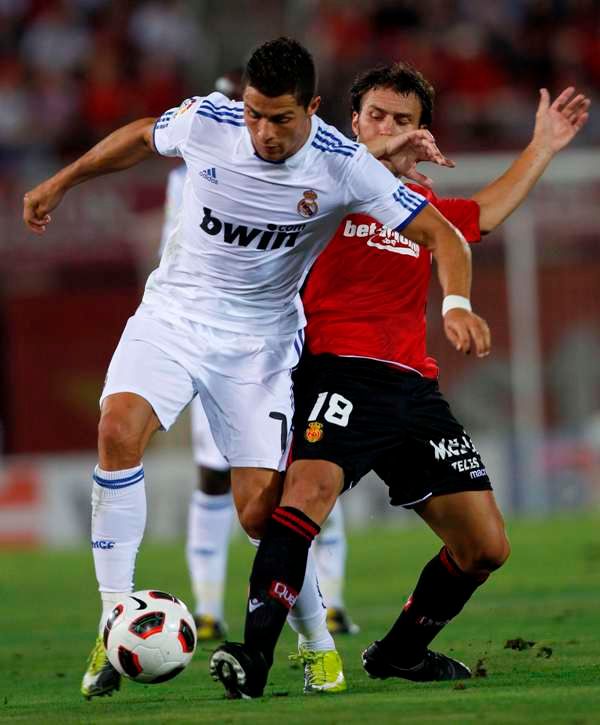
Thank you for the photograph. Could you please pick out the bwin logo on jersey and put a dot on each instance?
(273, 237)
(209, 175)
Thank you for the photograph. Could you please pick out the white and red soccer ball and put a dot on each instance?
(150, 636)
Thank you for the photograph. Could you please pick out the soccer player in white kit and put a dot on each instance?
(210, 515)
(268, 181)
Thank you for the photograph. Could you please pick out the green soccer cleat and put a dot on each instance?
(323, 670)
(209, 629)
(100, 678)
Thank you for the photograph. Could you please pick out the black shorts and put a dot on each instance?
(365, 415)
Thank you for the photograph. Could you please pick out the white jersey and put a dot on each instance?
(250, 229)
(174, 198)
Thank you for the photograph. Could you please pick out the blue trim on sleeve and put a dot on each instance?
(154, 139)
(219, 120)
(412, 215)
(221, 111)
(330, 139)
(407, 198)
(330, 149)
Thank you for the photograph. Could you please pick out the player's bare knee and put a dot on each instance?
(485, 557)
(118, 442)
(311, 489)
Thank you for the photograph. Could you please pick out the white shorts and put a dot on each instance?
(206, 453)
(243, 381)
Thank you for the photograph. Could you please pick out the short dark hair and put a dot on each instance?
(282, 66)
(399, 77)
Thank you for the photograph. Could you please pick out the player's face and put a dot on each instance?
(278, 126)
(385, 112)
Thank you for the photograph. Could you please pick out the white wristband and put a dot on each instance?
(452, 302)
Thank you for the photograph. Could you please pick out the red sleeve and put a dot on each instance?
(463, 213)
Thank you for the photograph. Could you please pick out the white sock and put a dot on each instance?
(330, 554)
(109, 599)
(209, 529)
(308, 616)
(118, 522)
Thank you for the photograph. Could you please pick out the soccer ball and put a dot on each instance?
(150, 636)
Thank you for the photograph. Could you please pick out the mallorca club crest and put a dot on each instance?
(307, 206)
(314, 432)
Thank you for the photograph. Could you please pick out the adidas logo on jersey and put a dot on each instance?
(274, 237)
(210, 175)
(381, 237)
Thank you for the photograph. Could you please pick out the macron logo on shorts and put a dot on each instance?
(210, 175)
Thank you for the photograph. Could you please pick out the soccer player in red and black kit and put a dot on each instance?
(367, 396)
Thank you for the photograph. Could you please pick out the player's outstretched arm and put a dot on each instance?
(465, 330)
(123, 148)
(556, 125)
(401, 154)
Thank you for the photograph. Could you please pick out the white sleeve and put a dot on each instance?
(376, 191)
(172, 129)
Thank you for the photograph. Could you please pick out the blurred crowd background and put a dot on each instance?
(73, 70)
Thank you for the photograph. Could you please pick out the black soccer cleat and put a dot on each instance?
(434, 667)
(242, 672)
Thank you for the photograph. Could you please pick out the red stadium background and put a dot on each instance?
(72, 71)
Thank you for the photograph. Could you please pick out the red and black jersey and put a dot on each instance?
(367, 292)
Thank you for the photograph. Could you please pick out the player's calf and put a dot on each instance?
(312, 487)
(441, 592)
(256, 493)
(277, 577)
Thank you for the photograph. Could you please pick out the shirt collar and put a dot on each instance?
(291, 162)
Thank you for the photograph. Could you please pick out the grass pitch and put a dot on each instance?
(548, 594)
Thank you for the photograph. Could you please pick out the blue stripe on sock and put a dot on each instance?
(119, 482)
(213, 506)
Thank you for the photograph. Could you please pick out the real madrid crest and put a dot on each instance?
(314, 432)
(307, 206)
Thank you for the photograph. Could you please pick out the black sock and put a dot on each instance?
(441, 593)
(277, 577)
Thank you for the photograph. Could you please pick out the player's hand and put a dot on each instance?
(38, 203)
(405, 151)
(467, 332)
(557, 123)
